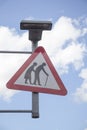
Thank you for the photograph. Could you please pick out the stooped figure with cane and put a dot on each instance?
(37, 74)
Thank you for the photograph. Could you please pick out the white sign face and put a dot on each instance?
(39, 75)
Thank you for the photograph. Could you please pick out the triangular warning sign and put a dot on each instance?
(38, 74)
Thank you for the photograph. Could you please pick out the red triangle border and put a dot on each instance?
(10, 84)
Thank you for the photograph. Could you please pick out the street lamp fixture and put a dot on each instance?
(29, 24)
(35, 28)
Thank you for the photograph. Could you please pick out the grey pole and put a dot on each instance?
(15, 111)
(35, 95)
(15, 52)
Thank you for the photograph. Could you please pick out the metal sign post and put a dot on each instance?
(35, 95)
(35, 32)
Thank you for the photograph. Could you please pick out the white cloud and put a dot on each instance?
(9, 64)
(85, 129)
(63, 30)
(84, 31)
(61, 44)
(10, 40)
(81, 93)
(72, 54)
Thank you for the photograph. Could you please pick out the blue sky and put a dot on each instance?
(66, 45)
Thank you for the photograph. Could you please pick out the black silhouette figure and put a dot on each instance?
(28, 73)
(37, 73)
